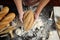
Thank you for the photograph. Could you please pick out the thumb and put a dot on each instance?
(21, 19)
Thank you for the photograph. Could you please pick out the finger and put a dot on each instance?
(21, 20)
(36, 17)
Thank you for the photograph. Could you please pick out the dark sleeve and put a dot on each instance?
(54, 3)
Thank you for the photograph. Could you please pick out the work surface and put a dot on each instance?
(45, 29)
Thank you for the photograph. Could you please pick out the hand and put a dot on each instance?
(36, 16)
(21, 17)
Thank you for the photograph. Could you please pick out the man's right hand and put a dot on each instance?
(21, 17)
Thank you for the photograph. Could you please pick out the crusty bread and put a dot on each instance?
(31, 22)
(7, 20)
(10, 30)
(26, 14)
(3, 12)
(58, 25)
(28, 20)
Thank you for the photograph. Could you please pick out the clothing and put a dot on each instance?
(30, 2)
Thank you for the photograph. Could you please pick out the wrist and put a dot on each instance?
(36, 13)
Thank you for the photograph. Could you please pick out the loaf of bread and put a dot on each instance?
(31, 22)
(7, 20)
(25, 14)
(9, 30)
(3, 12)
(28, 20)
(58, 25)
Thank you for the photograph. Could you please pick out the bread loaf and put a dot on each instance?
(26, 14)
(58, 25)
(7, 20)
(30, 23)
(3, 12)
(9, 30)
(28, 20)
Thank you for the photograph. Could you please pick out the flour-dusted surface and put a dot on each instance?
(39, 31)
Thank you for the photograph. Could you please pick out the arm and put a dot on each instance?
(20, 9)
(41, 5)
(19, 6)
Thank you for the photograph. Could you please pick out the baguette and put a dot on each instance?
(9, 30)
(3, 12)
(6, 20)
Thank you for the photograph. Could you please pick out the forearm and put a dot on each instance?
(41, 5)
(19, 6)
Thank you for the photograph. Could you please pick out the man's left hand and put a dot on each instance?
(36, 16)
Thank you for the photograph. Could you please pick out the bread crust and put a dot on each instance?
(3, 12)
(7, 20)
(28, 20)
